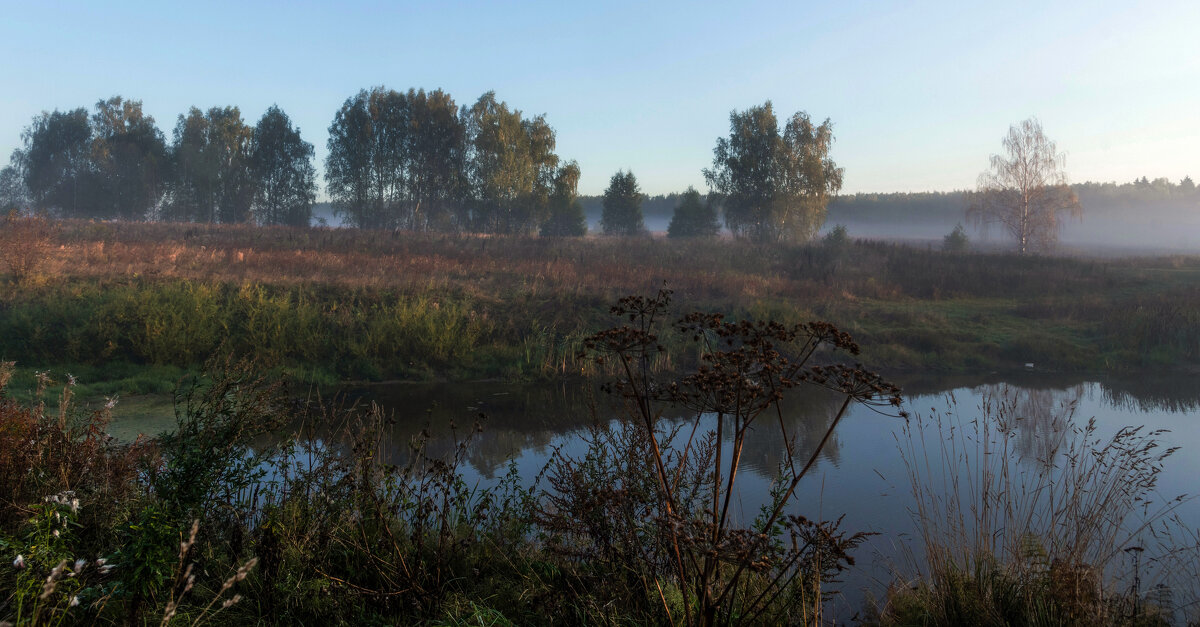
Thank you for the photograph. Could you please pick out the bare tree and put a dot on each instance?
(1025, 190)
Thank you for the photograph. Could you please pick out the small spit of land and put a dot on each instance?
(136, 304)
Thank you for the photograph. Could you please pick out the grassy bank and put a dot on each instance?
(331, 305)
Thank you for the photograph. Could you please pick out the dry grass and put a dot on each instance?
(1024, 514)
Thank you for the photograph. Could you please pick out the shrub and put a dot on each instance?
(957, 241)
(24, 242)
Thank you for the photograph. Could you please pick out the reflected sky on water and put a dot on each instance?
(860, 474)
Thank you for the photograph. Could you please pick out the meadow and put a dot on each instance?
(128, 307)
(210, 523)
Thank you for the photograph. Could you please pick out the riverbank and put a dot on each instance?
(134, 305)
(367, 518)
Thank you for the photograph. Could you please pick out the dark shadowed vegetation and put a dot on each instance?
(337, 529)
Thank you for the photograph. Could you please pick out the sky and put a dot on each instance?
(919, 93)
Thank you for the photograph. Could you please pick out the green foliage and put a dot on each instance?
(957, 241)
(836, 238)
(396, 160)
(211, 157)
(622, 206)
(209, 460)
(281, 164)
(130, 158)
(566, 213)
(774, 186)
(692, 218)
(511, 167)
(111, 165)
(50, 579)
(145, 560)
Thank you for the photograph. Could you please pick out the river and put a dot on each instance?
(862, 474)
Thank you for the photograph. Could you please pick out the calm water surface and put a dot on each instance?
(860, 474)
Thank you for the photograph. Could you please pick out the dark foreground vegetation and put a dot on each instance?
(114, 300)
(215, 523)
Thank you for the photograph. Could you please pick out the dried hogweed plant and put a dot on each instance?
(705, 569)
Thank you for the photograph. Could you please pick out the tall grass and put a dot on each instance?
(1024, 514)
(418, 305)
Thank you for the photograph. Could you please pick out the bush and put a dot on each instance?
(693, 218)
(24, 242)
(956, 241)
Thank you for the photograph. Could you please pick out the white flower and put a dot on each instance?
(79, 564)
(74, 601)
(56, 534)
(110, 402)
(19, 563)
(101, 561)
(75, 506)
(70, 379)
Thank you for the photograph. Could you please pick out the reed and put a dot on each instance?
(1024, 515)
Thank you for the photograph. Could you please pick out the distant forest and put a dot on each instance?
(1105, 201)
(1096, 198)
(410, 160)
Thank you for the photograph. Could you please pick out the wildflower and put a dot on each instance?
(110, 402)
(52, 580)
(79, 564)
(70, 379)
(74, 600)
(19, 563)
(56, 534)
(101, 562)
(107, 568)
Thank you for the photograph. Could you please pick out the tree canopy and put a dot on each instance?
(774, 186)
(566, 217)
(112, 164)
(693, 217)
(511, 167)
(281, 166)
(210, 154)
(130, 159)
(1025, 190)
(56, 162)
(622, 206)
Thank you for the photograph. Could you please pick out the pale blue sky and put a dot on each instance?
(920, 93)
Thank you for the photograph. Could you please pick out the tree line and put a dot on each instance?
(114, 163)
(402, 160)
(410, 160)
(1159, 194)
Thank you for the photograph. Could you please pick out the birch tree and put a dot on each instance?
(1025, 190)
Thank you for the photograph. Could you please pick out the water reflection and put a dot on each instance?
(1042, 417)
(533, 420)
(859, 474)
(530, 421)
